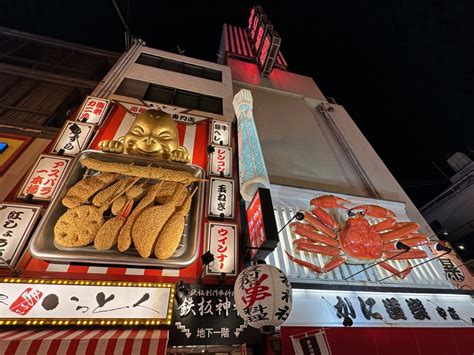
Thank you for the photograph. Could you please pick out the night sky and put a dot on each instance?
(404, 71)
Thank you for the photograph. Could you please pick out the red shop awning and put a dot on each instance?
(86, 341)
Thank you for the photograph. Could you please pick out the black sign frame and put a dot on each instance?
(194, 329)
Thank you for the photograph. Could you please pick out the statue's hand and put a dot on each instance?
(111, 146)
(180, 155)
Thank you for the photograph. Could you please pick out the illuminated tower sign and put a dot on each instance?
(264, 39)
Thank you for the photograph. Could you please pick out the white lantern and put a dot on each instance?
(262, 294)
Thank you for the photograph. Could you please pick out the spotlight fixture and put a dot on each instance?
(207, 258)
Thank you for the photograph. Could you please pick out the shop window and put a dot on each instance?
(160, 94)
(179, 67)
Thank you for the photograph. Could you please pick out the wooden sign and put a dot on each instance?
(73, 138)
(220, 162)
(220, 133)
(16, 224)
(44, 178)
(93, 110)
(222, 243)
(73, 302)
(221, 198)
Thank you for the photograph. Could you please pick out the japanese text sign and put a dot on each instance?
(73, 138)
(380, 309)
(40, 302)
(207, 315)
(93, 110)
(44, 178)
(220, 162)
(222, 243)
(220, 133)
(16, 223)
(221, 198)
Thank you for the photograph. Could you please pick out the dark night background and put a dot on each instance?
(404, 70)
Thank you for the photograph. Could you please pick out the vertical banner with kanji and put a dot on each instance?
(220, 133)
(16, 223)
(220, 162)
(311, 343)
(93, 110)
(44, 178)
(221, 198)
(221, 241)
(73, 138)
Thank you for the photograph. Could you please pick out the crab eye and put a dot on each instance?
(350, 214)
(362, 213)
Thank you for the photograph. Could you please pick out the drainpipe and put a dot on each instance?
(325, 111)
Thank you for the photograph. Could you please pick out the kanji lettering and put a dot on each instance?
(223, 306)
(282, 312)
(452, 312)
(186, 306)
(256, 291)
(452, 271)
(394, 309)
(205, 307)
(417, 309)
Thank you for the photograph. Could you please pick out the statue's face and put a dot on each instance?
(153, 133)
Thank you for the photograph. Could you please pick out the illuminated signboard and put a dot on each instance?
(71, 302)
(261, 225)
(220, 133)
(16, 223)
(44, 178)
(264, 39)
(220, 162)
(221, 198)
(73, 138)
(93, 110)
(222, 243)
(269, 52)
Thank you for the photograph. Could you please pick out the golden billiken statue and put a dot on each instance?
(154, 134)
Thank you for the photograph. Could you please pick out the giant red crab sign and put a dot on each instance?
(356, 241)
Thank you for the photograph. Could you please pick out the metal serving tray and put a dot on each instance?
(42, 245)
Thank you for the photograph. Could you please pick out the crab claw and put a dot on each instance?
(375, 211)
(325, 217)
(327, 201)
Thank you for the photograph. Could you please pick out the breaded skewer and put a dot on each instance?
(171, 233)
(150, 172)
(79, 193)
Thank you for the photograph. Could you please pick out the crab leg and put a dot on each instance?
(395, 234)
(411, 242)
(328, 201)
(308, 217)
(307, 231)
(401, 274)
(306, 245)
(332, 264)
(325, 217)
(374, 211)
(411, 254)
(385, 225)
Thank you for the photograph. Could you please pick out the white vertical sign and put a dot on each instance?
(220, 133)
(44, 178)
(16, 223)
(221, 198)
(93, 110)
(73, 138)
(220, 162)
(222, 243)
